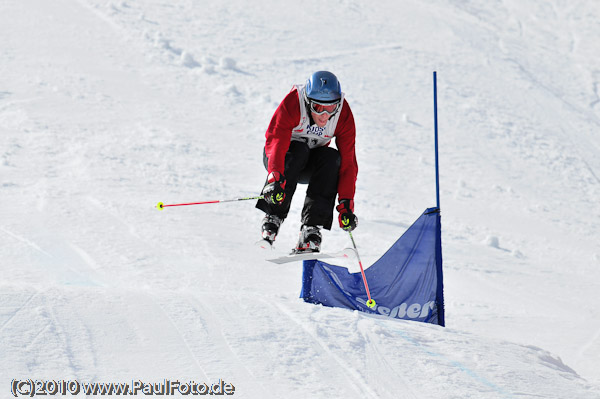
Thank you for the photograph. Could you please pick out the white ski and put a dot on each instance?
(345, 253)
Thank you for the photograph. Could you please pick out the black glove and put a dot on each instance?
(274, 190)
(347, 218)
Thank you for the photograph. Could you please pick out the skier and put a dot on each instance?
(297, 151)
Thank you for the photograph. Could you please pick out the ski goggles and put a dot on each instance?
(320, 108)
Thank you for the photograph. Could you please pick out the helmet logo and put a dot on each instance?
(323, 82)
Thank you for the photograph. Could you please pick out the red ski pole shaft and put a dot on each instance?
(371, 301)
(160, 206)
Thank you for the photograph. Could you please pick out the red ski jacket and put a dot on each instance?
(287, 118)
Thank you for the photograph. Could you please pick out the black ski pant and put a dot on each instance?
(319, 168)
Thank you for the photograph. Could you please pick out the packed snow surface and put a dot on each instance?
(108, 107)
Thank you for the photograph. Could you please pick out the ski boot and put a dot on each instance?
(270, 227)
(309, 240)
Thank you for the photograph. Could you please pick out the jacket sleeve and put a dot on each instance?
(345, 139)
(279, 133)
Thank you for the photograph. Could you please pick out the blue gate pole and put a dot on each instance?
(437, 169)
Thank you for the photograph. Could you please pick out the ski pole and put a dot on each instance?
(160, 206)
(371, 301)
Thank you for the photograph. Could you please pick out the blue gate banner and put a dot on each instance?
(406, 282)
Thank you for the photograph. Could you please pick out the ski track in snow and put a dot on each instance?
(220, 347)
(353, 377)
(12, 314)
(174, 325)
(108, 107)
(26, 241)
(376, 360)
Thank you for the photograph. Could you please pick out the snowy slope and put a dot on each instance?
(107, 107)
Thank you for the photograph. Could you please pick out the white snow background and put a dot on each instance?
(107, 107)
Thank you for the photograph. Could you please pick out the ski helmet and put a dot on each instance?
(323, 87)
